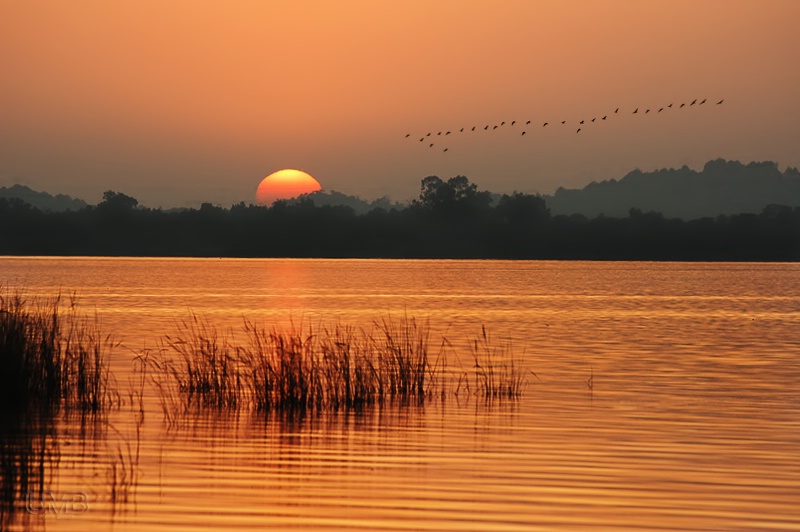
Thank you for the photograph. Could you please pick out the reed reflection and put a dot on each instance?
(56, 393)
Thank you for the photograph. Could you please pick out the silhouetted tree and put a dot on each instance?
(445, 195)
(523, 210)
(451, 219)
(116, 201)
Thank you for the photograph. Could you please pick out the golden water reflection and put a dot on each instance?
(692, 421)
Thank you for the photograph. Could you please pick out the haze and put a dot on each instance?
(178, 103)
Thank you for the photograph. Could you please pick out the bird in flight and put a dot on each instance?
(695, 101)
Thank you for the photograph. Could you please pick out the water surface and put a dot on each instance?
(692, 421)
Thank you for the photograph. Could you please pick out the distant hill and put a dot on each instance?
(722, 187)
(42, 200)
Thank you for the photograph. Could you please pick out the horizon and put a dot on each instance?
(405, 201)
(203, 111)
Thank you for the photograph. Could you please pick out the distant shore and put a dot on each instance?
(451, 220)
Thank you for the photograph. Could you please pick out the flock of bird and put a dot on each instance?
(430, 139)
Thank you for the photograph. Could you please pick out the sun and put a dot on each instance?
(285, 184)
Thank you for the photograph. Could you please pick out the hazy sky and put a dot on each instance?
(177, 103)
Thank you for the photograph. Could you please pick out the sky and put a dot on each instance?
(182, 102)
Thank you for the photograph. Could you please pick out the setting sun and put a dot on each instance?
(285, 184)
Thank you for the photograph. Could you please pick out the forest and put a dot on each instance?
(450, 219)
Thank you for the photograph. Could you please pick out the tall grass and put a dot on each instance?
(52, 357)
(496, 372)
(205, 368)
(327, 368)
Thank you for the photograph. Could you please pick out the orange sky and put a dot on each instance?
(177, 103)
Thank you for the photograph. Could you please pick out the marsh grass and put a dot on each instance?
(51, 356)
(496, 373)
(302, 369)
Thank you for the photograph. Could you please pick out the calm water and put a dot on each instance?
(692, 423)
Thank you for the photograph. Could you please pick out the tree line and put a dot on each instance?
(450, 219)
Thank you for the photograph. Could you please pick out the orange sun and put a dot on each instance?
(285, 184)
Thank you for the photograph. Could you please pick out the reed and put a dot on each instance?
(302, 369)
(496, 373)
(205, 370)
(51, 357)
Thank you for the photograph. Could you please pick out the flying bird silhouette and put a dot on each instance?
(693, 102)
(528, 122)
(462, 130)
(582, 121)
(444, 150)
(593, 119)
(670, 106)
(616, 110)
(495, 127)
(545, 124)
(636, 111)
(485, 128)
(681, 107)
(408, 135)
(446, 133)
(563, 121)
(473, 128)
(522, 133)
(719, 102)
(503, 123)
(579, 130)
(513, 122)
(606, 116)
(660, 109)
(704, 101)
(647, 111)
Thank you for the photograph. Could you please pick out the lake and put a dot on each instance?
(658, 396)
